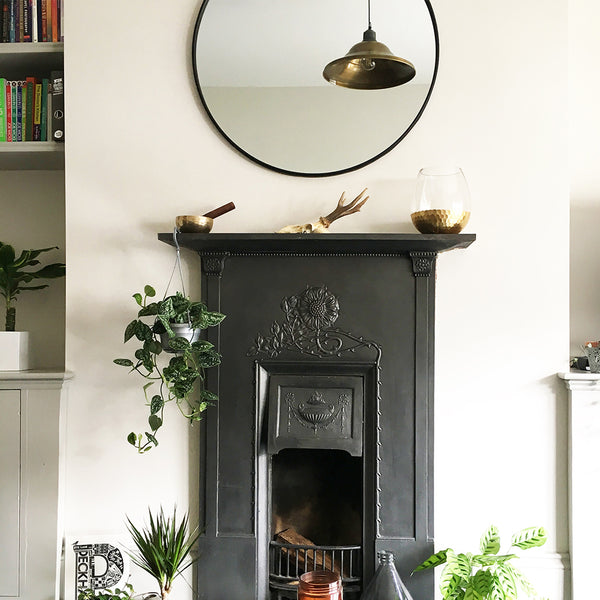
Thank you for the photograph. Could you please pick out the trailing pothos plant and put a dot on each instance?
(487, 575)
(179, 378)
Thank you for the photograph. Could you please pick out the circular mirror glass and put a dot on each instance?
(259, 66)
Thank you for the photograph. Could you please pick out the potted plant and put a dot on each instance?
(126, 593)
(16, 275)
(163, 548)
(486, 575)
(180, 378)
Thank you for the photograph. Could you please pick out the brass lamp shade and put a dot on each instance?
(369, 65)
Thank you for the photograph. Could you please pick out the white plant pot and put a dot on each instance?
(14, 350)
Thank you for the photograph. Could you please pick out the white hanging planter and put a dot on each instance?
(14, 350)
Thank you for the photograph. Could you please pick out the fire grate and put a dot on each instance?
(288, 561)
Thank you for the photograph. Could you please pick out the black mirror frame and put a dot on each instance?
(326, 173)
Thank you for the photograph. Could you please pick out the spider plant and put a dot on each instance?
(163, 548)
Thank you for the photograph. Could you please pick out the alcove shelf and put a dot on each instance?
(17, 61)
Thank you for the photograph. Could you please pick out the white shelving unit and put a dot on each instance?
(18, 61)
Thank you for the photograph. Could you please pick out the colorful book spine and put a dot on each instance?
(19, 111)
(23, 90)
(58, 106)
(34, 20)
(49, 19)
(30, 108)
(26, 19)
(2, 109)
(55, 34)
(44, 20)
(37, 112)
(6, 20)
(8, 94)
(11, 21)
(13, 108)
(19, 20)
(44, 111)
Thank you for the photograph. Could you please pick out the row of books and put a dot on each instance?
(32, 110)
(31, 20)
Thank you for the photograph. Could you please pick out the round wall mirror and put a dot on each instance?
(258, 65)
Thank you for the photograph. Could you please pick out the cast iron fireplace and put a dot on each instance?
(319, 452)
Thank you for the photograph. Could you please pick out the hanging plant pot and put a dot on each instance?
(181, 330)
(14, 350)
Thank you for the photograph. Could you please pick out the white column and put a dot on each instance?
(584, 478)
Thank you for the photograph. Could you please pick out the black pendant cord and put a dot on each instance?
(369, 12)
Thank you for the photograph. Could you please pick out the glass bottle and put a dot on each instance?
(442, 202)
(386, 584)
(320, 585)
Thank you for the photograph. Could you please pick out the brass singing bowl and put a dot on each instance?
(193, 224)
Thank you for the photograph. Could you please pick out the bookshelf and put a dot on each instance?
(36, 59)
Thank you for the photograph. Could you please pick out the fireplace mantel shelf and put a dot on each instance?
(329, 243)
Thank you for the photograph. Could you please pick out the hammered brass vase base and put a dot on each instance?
(439, 220)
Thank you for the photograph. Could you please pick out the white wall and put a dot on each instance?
(141, 151)
(584, 132)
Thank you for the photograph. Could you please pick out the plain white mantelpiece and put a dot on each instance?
(584, 477)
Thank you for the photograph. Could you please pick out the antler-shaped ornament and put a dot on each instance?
(322, 225)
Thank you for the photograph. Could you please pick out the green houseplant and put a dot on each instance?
(180, 378)
(16, 274)
(163, 548)
(487, 575)
(126, 593)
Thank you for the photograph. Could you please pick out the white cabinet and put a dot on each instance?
(30, 439)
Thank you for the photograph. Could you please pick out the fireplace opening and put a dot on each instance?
(316, 517)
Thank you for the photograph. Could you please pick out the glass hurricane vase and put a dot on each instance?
(442, 202)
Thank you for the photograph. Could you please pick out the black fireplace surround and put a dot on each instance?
(319, 452)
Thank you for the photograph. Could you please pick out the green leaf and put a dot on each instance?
(452, 574)
(156, 404)
(530, 537)
(151, 438)
(179, 344)
(209, 358)
(155, 422)
(520, 579)
(130, 331)
(490, 541)
(434, 560)
(153, 346)
(214, 318)
(492, 559)
(497, 590)
(202, 345)
(138, 298)
(212, 397)
(507, 581)
(149, 291)
(131, 438)
(449, 582)
(142, 332)
(123, 362)
(482, 582)
(7, 255)
(471, 593)
(148, 311)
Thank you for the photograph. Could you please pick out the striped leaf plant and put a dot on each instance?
(487, 575)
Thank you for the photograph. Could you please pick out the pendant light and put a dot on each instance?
(369, 65)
